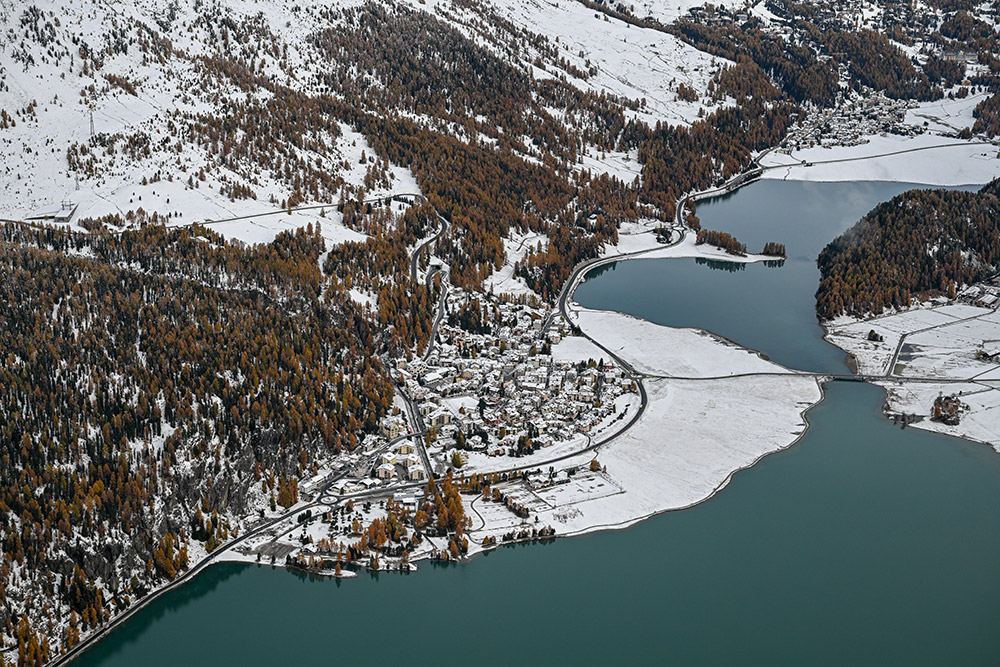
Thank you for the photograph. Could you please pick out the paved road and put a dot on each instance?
(441, 306)
(415, 256)
(415, 419)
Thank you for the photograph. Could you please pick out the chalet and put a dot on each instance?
(385, 471)
(392, 427)
(415, 473)
(991, 350)
(440, 418)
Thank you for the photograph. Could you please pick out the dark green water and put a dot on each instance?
(864, 544)
(771, 309)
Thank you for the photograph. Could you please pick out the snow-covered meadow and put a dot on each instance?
(931, 351)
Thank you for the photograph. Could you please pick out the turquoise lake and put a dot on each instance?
(763, 307)
(864, 544)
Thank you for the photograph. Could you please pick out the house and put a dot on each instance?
(385, 471)
(960, 56)
(407, 500)
(408, 460)
(406, 448)
(991, 350)
(388, 458)
(61, 213)
(440, 418)
(415, 473)
(391, 427)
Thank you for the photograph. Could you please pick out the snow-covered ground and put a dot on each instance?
(668, 11)
(641, 237)
(945, 115)
(939, 161)
(632, 62)
(623, 166)
(933, 351)
(517, 246)
(665, 351)
(940, 341)
(980, 423)
(574, 349)
(70, 104)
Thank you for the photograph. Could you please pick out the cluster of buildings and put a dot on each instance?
(502, 393)
(985, 294)
(948, 410)
(850, 123)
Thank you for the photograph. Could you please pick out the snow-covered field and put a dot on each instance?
(931, 341)
(636, 63)
(938, 161)
(981, 423)
(575, 349)
(933, 351)
(665, 351)
(945, 115)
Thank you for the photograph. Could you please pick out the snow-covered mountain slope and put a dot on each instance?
(121, 106)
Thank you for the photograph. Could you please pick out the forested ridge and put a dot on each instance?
(153, 383)
(921, 244)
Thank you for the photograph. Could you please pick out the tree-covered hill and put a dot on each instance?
(922, 243)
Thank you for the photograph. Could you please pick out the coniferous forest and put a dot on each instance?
(920, 244)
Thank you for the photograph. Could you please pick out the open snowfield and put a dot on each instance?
(945, 115)
(666, 351)
(926, 344)
(632, 62)
(939, 161)
(981, 423)
(574, 349)
(937, 341)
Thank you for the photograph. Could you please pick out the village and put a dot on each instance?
(510, 390)
(851, 123)
(507, 390)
